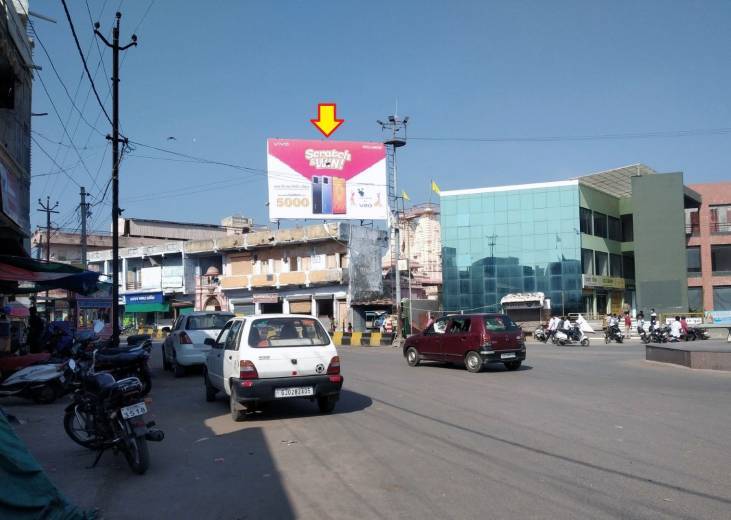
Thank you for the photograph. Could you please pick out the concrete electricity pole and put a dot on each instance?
(114, 45)
(47, 209)
(84, 213)
(397, 128)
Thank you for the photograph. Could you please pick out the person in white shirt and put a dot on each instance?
(552, 325)
(675, 329)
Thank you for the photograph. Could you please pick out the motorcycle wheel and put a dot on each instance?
(75, 430)
(606, 339)
(585, 342)
(146, 381)
(620, 339)
(137, 454)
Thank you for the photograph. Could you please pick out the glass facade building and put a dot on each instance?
(497, 241)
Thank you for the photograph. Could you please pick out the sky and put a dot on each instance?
(222, 77)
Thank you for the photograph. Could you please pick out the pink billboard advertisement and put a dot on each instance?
(326, 179)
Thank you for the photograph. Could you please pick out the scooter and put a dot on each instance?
(570, 337)
(42, 383)
(541, 334)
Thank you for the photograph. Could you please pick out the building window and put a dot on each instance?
(585, 220)
(615, 265)
(602, 263)
(694, 260)
(721, 219)
(692, 221)
(600, 224)
(615, 229)
(722, 298)
(721, 259)
(628, 230)
(695, 299)
(628, 267)
(587, 261)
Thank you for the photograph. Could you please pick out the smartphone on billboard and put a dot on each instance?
(327, 194)
(338, 196)
(316, 195)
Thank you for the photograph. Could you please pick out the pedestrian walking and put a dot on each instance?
(627, 325)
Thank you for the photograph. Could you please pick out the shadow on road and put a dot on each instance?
(495, 368)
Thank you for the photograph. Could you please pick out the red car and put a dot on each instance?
(470, 339)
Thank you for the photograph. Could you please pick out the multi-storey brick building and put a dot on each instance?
(708, 229)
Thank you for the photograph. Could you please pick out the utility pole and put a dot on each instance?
(114, 45)
(397, 128)
(47, 209)
(84, 212)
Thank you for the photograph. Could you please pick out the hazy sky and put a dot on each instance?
(221, 77)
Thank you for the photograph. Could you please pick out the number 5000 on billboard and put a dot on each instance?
(326, 179)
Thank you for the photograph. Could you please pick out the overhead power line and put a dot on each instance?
(83, 60)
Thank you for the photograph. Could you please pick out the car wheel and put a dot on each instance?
(210, 389)
(473, 362)
(513, 365)
(327, 404)
(165, 363)
(178, 370)
(585, 342)
(237, 414)
(413, 358)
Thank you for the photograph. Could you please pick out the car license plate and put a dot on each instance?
(133, 410)
(297, 391)
(509, 355)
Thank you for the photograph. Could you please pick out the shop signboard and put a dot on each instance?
(326, 179)
(265, 298)
(607, 282)
(137, 298)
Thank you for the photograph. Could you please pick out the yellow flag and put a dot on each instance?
(405, 195)
(435, 188)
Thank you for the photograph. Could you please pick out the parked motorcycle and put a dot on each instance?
(12, 363)
(43, 383)
(613, 334)
(656, 334)
(131, 360)
(110, 414)
(697, 333)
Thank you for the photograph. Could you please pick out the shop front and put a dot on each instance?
(604, 295)
(146, 309)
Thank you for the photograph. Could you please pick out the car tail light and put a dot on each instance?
(185, 339)
(247, 370)
(334, 367)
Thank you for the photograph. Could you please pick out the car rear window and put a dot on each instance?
(287, 332)
(208, 321)
(499, 323)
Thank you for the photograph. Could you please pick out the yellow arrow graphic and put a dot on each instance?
(327, 121)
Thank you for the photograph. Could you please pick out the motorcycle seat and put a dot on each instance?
(115, 356)
(137, 339)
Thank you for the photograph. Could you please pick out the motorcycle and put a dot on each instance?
(110, 414)
(695, 333)
(121, 362)
(43, 383)
(656, 335)
(12, 363)
(570, 337)
(541, 334)
(613, 334)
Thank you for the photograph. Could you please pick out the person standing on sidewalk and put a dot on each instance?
(627, 325)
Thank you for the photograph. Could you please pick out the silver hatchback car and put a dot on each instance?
(185, 346)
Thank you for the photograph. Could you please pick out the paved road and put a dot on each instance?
(577, 433)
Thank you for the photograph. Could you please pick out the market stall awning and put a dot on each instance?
(146, 307)
(26, 275)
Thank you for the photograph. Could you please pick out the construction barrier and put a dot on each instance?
(363, 339)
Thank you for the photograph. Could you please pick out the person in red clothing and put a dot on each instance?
(684, 326)
(627, 324)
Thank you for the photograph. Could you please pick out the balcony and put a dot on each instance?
(293, 278)
(692, 229)
(720, 228)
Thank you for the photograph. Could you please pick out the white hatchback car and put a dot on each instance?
(185, 345)
(271, 357)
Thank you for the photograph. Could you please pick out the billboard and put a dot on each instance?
(326, 179)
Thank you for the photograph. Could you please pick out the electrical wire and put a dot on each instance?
(83, 60)
(61, 169)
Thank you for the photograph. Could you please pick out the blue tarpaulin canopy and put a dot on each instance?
(25, 275)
